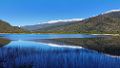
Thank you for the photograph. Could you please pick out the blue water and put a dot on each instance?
(22, 53)
(44, 36)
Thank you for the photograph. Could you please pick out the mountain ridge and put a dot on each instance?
(102, 23)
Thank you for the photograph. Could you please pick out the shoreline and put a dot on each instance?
(107, 34)
(66, 33)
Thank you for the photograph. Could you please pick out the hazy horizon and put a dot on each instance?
(30, 12)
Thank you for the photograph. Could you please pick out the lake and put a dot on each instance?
(59, 51)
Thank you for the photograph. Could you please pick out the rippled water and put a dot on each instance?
(20, 51)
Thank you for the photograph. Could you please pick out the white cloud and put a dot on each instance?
(65, 20)
(116, 10)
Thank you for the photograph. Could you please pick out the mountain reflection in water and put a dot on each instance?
(38, 53)
(4, 41)
(109, 45)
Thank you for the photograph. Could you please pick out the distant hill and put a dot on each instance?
(108, 22)
(51, 24)
(7, 28)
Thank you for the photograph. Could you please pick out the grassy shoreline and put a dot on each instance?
(67, 33)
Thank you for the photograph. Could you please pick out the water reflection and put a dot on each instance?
(4, 42)
(25, 54)
(109, 45)
(37, 53)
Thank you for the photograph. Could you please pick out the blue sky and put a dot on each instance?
(23, 12)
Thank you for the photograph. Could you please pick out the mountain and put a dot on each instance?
(54, 23)
(7, 28)
(108, 22)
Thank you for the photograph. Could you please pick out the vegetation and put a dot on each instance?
(102, 24)
(7, 28)
(106, 23)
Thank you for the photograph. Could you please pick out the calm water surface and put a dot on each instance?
(18, 51)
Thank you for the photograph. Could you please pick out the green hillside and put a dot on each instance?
(103, 23)
(7, 28)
